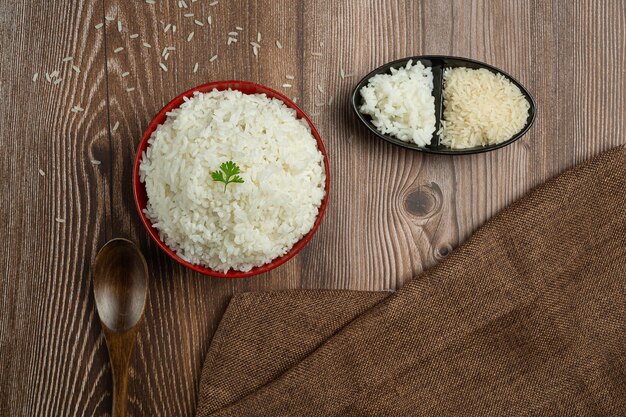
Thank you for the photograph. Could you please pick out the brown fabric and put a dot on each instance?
(528, 317)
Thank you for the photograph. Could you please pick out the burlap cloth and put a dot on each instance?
(528, 317)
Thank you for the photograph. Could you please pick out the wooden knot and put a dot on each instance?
(442, 251)
(424, 201)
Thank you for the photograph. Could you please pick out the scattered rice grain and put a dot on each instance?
(231, 40)
(279, 45)
(109, 18)
(197, 22)
(59, 220)
(330, 100)
(189, 15)
(287, 85)
(150, 1)
(67, 59)
(125, 74)
(320, 89)
(258, 37)
(209, 19)
(147, 45)
(99, 25)
(35, 76)
(57, 81)
(233, 33)
(316, 53)
(54, 73)
(134, 36)
(115, 126)
(190, 37)
(163, 67)
(48, 77)
(213, 3)
(167, 27)
(130, 89)
(119, 26)
(42, 173)
(239, 28)
(118, 50)
(195, 68)
(289, 77)
(213, 58)
(256, 45)
(76, 69)
(95, 162)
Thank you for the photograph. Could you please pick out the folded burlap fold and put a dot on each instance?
(528, 317)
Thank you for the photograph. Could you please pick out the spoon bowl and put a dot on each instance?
(120, 286)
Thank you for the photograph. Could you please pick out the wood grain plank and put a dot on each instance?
(47, 331)
(392, 212)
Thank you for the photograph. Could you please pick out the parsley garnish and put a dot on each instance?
(230, 169)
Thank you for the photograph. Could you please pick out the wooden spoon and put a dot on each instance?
(120, 286)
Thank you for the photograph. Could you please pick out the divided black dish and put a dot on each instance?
(439, 63)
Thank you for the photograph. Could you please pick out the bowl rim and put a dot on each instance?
(532, 112)
(138, 186)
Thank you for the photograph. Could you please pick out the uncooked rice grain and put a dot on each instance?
(480, 108)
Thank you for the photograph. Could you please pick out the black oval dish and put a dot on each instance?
(439, 63)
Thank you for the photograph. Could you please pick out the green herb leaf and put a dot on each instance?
(230, 169)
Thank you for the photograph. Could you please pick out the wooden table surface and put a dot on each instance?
(392, 212)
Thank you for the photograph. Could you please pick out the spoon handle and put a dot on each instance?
(120, 351)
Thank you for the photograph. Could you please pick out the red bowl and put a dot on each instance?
(141, 198)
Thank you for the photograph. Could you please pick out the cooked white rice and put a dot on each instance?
(480, 108)
(248, 224)
(401, 104)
